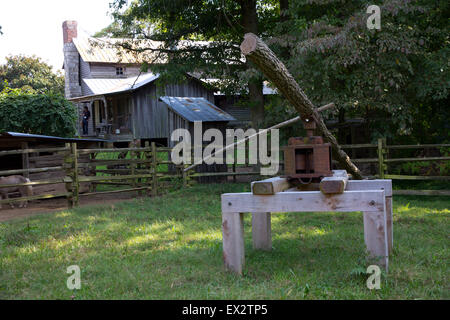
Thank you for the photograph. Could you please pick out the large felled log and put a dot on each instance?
(261, 55)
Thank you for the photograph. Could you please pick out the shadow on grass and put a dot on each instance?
(170, 248)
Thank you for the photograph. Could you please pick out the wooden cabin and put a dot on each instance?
(140, 108)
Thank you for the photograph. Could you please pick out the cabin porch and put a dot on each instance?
(110, 117)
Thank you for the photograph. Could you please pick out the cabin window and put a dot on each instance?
(119, 71)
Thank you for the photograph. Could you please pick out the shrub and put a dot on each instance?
(27, 111)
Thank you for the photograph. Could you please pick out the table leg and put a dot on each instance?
(261, 231)
(375, 236)
(389, 221)
(233, 241)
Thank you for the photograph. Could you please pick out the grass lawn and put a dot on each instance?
(170, 248)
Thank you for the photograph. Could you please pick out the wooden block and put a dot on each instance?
(334, 184)
(233, 241)
(261, 231)
(270, 186)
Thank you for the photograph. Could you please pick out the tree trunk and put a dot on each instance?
(255, 86)
(260, 54)
(284, 10)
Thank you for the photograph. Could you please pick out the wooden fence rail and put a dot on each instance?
(141, 172)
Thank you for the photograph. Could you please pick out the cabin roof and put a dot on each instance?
(101, 87)
(196, 109)
(106, 50)
(109, 86)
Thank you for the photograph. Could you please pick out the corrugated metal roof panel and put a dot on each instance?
(110, 86)
(196, 109)
(111, 51)
(20, 135)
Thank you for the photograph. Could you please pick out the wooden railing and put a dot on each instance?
(141, 173)
(137, 170)
(382, 150)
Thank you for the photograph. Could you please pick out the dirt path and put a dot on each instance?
(58, 204)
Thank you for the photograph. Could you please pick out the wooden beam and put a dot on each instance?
(378, 184)
(37, 197)
(370, 200)
(33, 170)
(261, 55)
(23, 151)
(354, 185)
(270, 186)
(335, 183)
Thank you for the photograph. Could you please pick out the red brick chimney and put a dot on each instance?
(69, 31)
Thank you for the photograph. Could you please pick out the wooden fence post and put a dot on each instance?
(381, 151)
(25, 159)
(154, 171)
(76, 182)
(133, 164)
(185, 177)
(234, 170)
(67, 165)
(93, 172)
(147, 156)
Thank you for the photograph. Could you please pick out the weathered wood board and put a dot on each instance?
(270, 186)
(334, 184)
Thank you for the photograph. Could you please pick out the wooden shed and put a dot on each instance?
(130, 109)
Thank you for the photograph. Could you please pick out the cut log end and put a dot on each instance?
(334, 184)
(249, 43)
(270, 186)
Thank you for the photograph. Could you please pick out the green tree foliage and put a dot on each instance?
(396, 78)
(28, 111)
(30, 72)
(199, 36)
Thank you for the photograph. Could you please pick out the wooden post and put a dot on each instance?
(385, 156)
(262, 231)
(185, 178)
(154, 171)
(234, 171)
(93, 170)
(67, 165)
(389, 223)
(376, 236)
(233, 241)
(76, 182)
(381, 165)
(133, 164)
(148, 155)
(25, 160)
